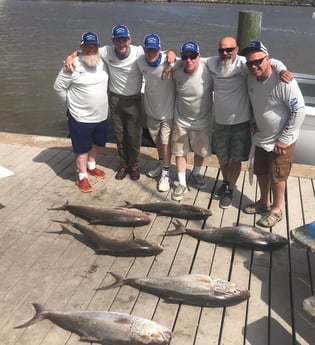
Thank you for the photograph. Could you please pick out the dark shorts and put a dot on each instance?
(231, 142)
(278, 167)
(84, 135)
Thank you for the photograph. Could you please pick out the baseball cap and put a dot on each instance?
(152, 41)
(120, 31)
(190, 47)
(89, 38)
(255, 45)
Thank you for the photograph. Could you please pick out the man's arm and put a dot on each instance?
(285, 75)
(69, 63)
(62, 84)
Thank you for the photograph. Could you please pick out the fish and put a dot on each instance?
(112, 216)
(104, 327)
(246, 237)
(309, 306)
(170, 209)
(115, 247)
(305, 235)
(191, 289)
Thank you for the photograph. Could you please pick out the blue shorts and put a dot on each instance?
(84, 135)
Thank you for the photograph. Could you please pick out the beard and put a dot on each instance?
(227, 66)
(92, 61)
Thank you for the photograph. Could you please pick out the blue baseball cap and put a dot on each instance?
(89, 38)
(255, 45)
(190, 47)
(152, 41)
(120, 31)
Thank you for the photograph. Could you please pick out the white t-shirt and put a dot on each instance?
(84, 91)
(279, 110)
(159, 95)
(124, 75)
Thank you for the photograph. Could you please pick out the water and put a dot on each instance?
(36, 36)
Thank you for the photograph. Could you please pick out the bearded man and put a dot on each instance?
(84, 93)
(231, 140)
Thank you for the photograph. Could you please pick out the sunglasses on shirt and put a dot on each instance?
(228, 50)
(185, 57)
(255, 62)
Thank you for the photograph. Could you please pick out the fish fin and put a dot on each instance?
(39, 316)
(119, 281)
(67, 221)
(60, 208)
(179, 229)
(128, 204)
(2, 206)
(90, 340)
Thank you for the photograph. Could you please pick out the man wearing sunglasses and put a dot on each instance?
(193, 116)
(231, 134)
(279, 111)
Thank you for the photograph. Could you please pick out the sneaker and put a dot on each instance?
(134, 173)
(164, 183)
(121, 173)
(226, 201)
(84, 185)
(156, 172)
(179, 192)
(198, 181)
(270, 219)
(256, 207)
(219, 193)
(96, 172)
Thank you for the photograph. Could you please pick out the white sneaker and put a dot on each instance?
(179, 192)
(155, 172)
(164, 183)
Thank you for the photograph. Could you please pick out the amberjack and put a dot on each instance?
(105, 327)
(191, 289)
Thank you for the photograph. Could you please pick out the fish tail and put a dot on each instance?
(179, 229)
(39, 316)
(128, 204)
(60, 208)
(119, 281)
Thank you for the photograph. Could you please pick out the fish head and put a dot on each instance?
(152, 333)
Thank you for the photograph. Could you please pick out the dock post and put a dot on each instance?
(249, 27)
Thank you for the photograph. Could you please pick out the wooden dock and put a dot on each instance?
(42, 262)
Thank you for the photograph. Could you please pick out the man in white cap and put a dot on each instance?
(193, 116)
(159, 101)
(84, 93)
(279, 111)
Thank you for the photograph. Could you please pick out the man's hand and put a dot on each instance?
(68, 64)
(167, 72)
(280, 148)
(286, 76)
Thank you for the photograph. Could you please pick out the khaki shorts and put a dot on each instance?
(185, 140)
(278, 167)
(160, 130)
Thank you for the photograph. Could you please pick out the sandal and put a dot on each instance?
(270, 219)
(256, 207)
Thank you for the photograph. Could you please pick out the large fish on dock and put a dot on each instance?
(305, 235)
(191, 289)
(108, 328)
(171, 209)
(240, 236)
(115, 247)
(112, 216)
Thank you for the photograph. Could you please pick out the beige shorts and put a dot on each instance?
(185, 140)
(160, 130)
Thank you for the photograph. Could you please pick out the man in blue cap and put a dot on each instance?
(193, 116)
(159, 101)
(85, 94)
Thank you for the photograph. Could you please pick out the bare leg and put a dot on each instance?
(278, 190)
(92, 153)
(264, 186)
(81, 162)
(231, 172)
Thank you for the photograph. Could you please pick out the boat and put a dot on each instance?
(304, 151)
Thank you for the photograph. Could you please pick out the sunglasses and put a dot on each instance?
(228, 50)
(255, 62)
(191, 57)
